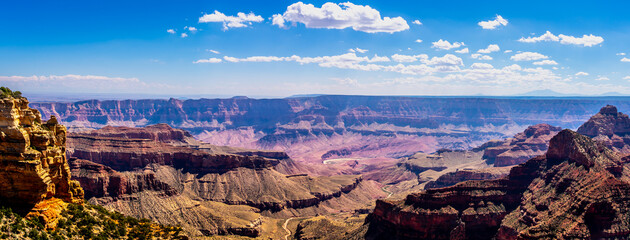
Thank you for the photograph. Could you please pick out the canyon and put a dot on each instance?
(155, 172)
(360, 127)
(440, 170)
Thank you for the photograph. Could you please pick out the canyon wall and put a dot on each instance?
(34, 173)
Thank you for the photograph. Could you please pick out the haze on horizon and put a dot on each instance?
(282, 48)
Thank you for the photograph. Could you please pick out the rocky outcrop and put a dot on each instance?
(522, 147)
(577, 190)
(125, 154)
(34, 173)
(452, 178)
(609, 127)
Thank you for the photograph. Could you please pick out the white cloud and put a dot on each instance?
(346, 81)
(418, 40)
(213, 51)
(409, 58)
(528, 56)
(625, 59)
(493, 24)
(209, 60)
(445, 45)
(278, 20)
(581, 74)
(585, 40)
(446, 60)
(417, 22)
(191, 29)
(340, 16)
(464, 50)
(481, 66)
(480, 56)
(171, 31)
(238, 21)
(621, 54)
(489, 49)
(184, 35)
(626, 78)
(546, 62)
(507, 51)
(547, 37)
(602, 78)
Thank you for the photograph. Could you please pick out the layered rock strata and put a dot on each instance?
(610, 127)
(523, 146)
(156, 171)
(578, 190)
(34, 173)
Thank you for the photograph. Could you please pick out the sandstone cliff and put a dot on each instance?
(578, 190)
(34, 173)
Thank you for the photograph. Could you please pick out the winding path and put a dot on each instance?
(385, 190)
(286, 222)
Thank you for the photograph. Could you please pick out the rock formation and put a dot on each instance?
(578, 190)
(452, 178)
(309, 127)
(609, 127)
(34, 173)
(523, 146)
(155, 171)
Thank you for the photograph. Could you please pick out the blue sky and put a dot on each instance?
(358, 47)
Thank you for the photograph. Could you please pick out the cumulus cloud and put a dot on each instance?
(238, 21)
(507, 51)
(171, 31)
(625, 59)
(464, 50)
(418, 40)
(213, 51)
(581, 74)
(528, 56)
(546, 62)
(626, 78)
(209, 60)
(489, 49)
(493, 24)
(445, 45)
(417, 22)
(621, 54)
(585, 40)
(602, 78)
(184, 35)
(340, 16)
(480, 56)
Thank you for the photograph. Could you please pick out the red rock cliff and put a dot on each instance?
(578, 190)
(34, 173)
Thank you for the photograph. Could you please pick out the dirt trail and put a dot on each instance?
(286, 237)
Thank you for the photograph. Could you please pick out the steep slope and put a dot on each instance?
(34, 173)
(523, 146)
(137, 172)
(578, 190)
(609, 127)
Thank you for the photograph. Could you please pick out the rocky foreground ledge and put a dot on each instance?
(578, 190)
(34, 172)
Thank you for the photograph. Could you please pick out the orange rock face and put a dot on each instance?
(578, 190)
(34, 173)
(610, 127)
